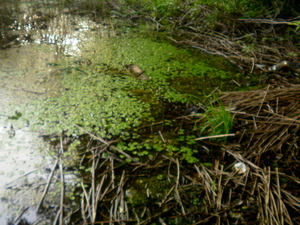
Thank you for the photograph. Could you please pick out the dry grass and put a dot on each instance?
(267, 124)
(266, 141)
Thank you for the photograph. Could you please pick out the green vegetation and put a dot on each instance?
(152, 168)
(219, 121)
(149, 123)
(105, 100)
(95, 101)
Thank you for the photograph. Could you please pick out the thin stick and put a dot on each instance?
(176, 188)
(56, 218)
(82, 209)
(7, 186)
(214, 136)
(47, 186)
(62, 180)
(265, 95)
(220, 192)
(105, 142)
(87, 200)
(167, 195)
(267, 21)
(20, 215)
(281, 216)
(93, 190)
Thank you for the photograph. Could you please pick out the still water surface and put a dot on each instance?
(25, 76)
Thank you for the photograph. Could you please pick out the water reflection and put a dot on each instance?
(28, 42)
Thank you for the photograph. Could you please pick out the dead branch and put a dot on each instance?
(267, 21)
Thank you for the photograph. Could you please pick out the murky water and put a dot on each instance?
(25, 76)
(21, 70)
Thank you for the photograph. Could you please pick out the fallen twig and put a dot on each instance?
(112, 147)
(20, 215)
(47, 186)
(62, 193)
(214, 136)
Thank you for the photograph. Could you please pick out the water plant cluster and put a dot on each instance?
(104, 99)
(95, 101)
(145, 157)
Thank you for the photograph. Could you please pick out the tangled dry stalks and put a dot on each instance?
(267, 126)
(249, 44)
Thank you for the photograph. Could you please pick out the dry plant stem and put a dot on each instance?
(292, 200)
(161, 221)
(20, 215)
(119, 210)
(279, 197)
(271, 205)
(94, 209)
(177, 193)
(263, 100)
(56, 217)
(47, 186)
(111, 217)
(267, 21)
(233, 44)
(214, 136)
(220, 191)
(209, 189)
(99, 188)
(209, 217)
(7, 186)
(272, 117)
(62, 193)
(146, 221)
(167, 195)
(38, 221)
(87, 199)
(116, 149)
(82, 210)
(240, 158)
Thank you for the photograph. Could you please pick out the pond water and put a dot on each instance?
(20, 155)
(27, 74)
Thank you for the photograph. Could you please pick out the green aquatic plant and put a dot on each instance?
(177, 74)
(96, 102)
(106, 100)
(218, 121)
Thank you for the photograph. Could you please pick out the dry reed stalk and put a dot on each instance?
(87, 200)
(215, 136)
(177, 194)
(93, 189)
(100, 195)
(166, 198)
(82, 209)
(56, 217)
(272, 116)
(47, 186)
(22, 211)
(208, 185)
(112, 147)
(62, 180)
(119, 209)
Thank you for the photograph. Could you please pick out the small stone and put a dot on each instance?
(240, 167)
(136, 70)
